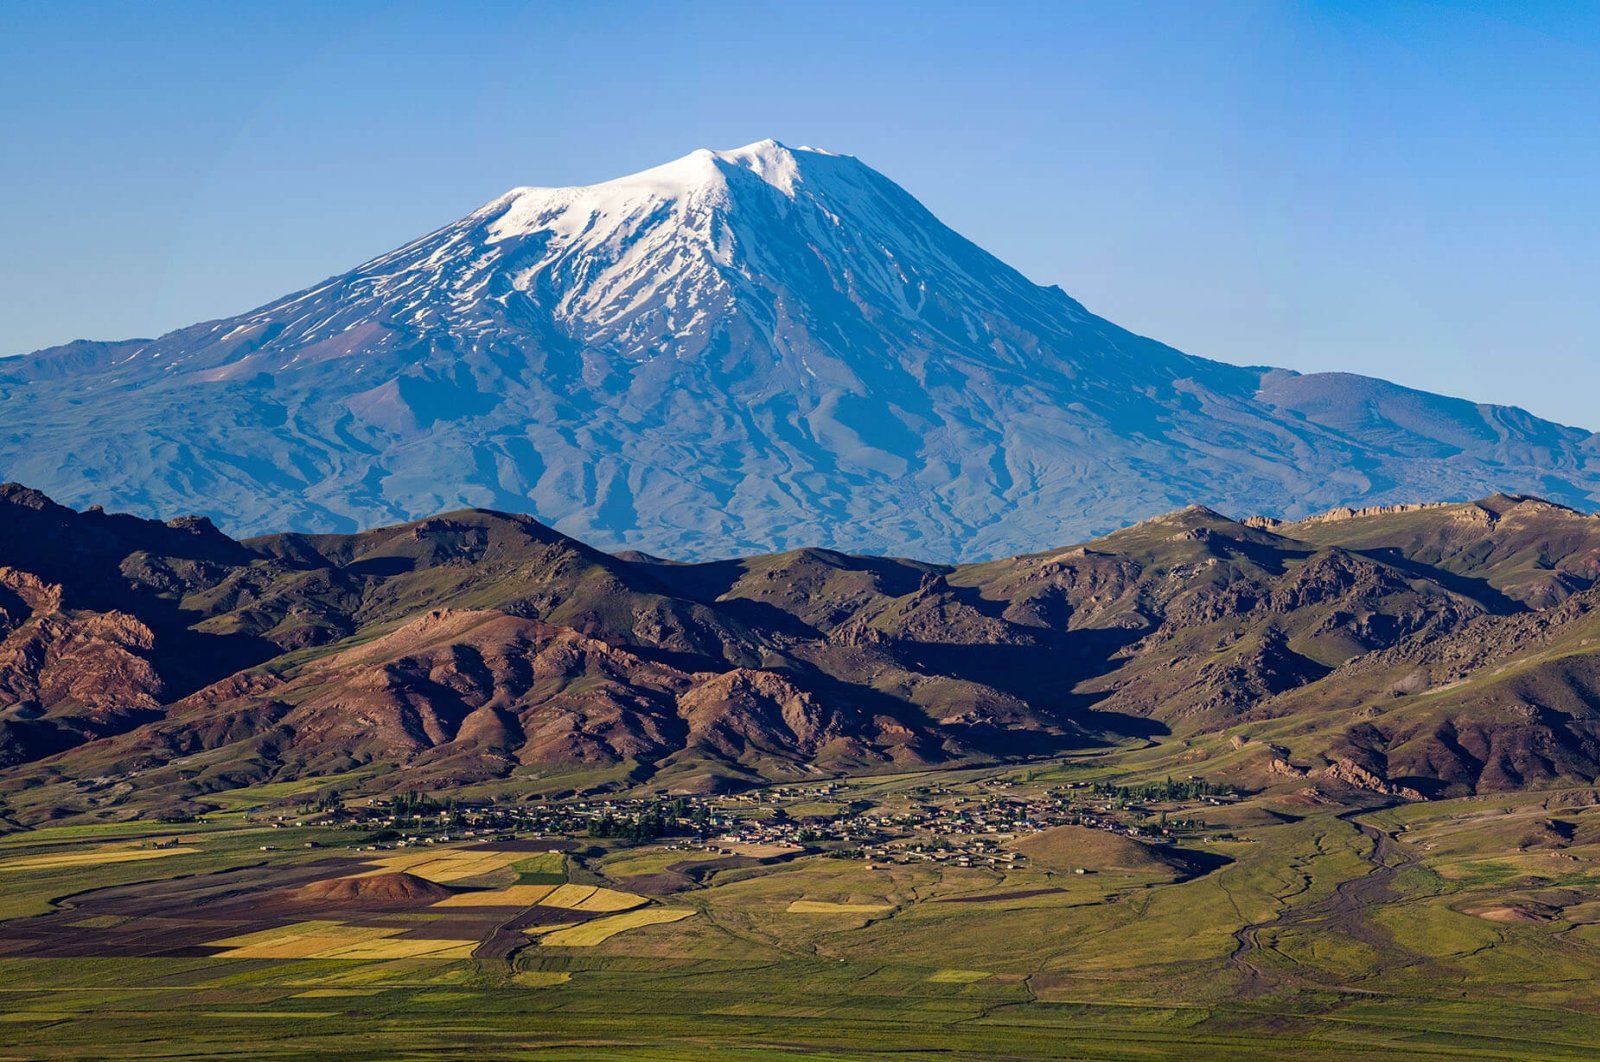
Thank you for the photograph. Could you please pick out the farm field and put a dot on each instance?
(1452, 929)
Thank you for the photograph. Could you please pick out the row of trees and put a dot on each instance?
(1191, 789)
(677, 818)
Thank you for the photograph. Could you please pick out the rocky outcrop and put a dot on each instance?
(1344, 773)
(1345, 512)
(89, 664)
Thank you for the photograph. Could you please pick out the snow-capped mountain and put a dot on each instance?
(751, 349)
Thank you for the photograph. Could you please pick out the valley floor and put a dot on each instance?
(1283, 925)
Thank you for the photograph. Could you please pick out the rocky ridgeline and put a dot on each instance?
(1341, 513)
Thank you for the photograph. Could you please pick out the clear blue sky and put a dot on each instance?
(1406, 190)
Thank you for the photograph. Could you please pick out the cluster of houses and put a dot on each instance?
(966, 826)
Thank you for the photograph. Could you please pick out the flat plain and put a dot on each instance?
(1280, 924)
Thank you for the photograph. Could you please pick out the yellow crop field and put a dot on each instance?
(302, 940)
(92, 859)
(267, 936)
(591, 898)
(512, 896)
(822, 907)
(607, 900)
(307, 947)
(569, 896)
(336, 940)
(541, 978)
(446, 865)
(589, 934)
(391, 948)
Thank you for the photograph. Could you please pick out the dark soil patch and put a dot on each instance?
(663, 884)
(551, 916)
(699, 870)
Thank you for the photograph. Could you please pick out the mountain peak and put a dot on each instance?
(774, 162)
(755, 247)
(767, 159)
(758, 348)
(693, 174)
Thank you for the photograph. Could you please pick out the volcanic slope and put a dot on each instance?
(746, 350)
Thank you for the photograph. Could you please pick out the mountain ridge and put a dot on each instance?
(1434, 650)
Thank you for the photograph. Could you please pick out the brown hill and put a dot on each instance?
(1063, 849)
(394, 890)
(1443, 648)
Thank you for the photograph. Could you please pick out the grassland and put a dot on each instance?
(1449, 930)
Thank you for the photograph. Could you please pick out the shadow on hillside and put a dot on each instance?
(382, 567)
(1002, 742)
(1046, 675)
(767, 618)
(707, 582)
(1477, 589)
(1272, 558)
(1120, 724)
(1196, 863)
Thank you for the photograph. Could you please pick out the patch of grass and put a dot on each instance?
(547, 868)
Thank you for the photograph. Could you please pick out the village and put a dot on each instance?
(961, 826)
